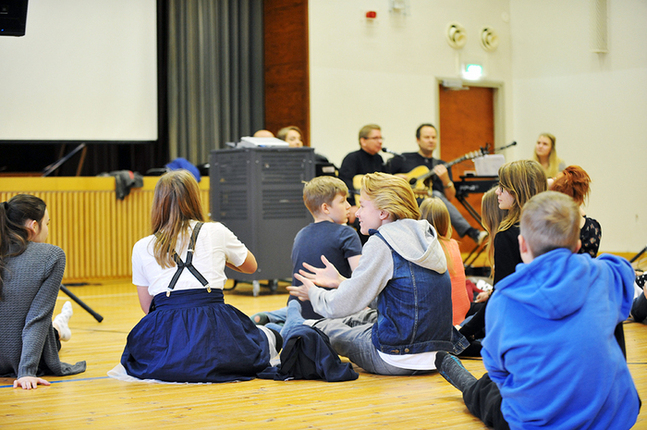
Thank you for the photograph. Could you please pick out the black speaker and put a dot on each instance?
(13, 17)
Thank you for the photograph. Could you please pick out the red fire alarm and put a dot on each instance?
(371, 14)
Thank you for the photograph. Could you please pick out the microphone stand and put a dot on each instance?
(388, 151)
(637, 256)
(73, 296)
(505, 147)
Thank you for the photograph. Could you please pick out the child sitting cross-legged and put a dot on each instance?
(403, 268)
(327, 238)
(550, 351)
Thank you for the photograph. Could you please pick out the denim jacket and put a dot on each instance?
(415, 311)
(404, 268)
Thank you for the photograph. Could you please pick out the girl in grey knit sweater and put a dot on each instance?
(30, 276)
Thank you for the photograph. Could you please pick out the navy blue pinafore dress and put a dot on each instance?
(193, 336)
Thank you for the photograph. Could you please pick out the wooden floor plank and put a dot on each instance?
(93, 400)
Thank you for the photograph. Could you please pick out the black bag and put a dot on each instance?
(124, 181)
(307, 354)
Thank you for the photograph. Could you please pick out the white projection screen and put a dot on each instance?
(85, 70)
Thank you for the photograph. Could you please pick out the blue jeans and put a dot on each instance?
(351, 337)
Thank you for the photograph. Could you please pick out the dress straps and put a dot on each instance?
(181, 265)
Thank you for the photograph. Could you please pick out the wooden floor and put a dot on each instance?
(95, 401)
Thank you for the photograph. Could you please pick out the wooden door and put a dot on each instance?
(466, 124)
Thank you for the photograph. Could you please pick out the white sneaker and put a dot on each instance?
(482, 236)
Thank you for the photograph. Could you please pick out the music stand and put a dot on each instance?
(472, 185)
(52, 167)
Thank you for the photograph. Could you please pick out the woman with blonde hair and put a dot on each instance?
(546, 155)
(292, 135)
(188, 333)
(404, 270)
(434, 210)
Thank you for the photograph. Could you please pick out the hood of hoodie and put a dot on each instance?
(554, 285)
(416, 241)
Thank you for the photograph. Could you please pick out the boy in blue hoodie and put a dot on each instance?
(550, 350)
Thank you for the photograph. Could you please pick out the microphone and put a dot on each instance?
(392, 152)
(514, 142)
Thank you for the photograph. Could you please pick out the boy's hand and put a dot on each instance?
(29, 382)
(301, 292)
(327, 276)
(482, 297)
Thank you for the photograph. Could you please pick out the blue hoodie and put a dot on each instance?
(550, 344)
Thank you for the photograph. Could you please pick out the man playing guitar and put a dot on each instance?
(440, 183)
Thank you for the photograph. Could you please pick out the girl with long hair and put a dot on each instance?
(188, 333)
(435, 212)
(31, 272)
(518, 182)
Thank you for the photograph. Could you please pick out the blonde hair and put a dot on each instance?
(366, 130)
(283, 133)
(391, 194)
(549, 221)
(176, 201)
(435, 212)
(322, 189)
(522, 179)
(553, 161)
(491, 217)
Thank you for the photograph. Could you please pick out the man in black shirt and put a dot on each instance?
(365, 160)
(441, 184)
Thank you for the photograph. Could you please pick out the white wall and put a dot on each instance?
(386, 72)
(595, 104)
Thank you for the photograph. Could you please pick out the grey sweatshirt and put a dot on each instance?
(415, 240)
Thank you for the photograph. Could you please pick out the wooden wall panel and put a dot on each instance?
(287, 90)
(96, 231)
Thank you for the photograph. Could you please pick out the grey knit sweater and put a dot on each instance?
(28, 341)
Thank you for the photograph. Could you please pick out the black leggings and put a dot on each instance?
(483, 400)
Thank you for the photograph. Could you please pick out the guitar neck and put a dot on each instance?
(447, 165)
(456, 161)
(469, 156)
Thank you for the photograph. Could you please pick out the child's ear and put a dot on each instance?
(577, 247)
(524, 250)
(325, 209)
(32, 226)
